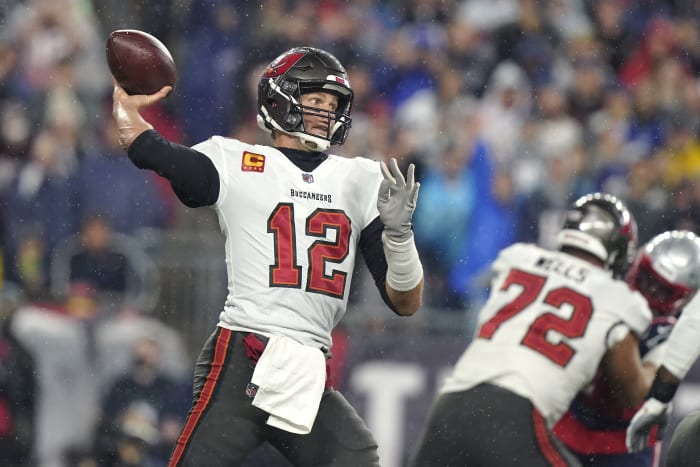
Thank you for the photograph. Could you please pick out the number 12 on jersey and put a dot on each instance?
(286, 272)
(532, 286)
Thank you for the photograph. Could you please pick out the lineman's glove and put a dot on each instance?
(652, 413)
(397, 201)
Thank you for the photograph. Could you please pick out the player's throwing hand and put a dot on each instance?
(125, 110)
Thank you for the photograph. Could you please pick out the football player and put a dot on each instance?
(295, 217)
(667, 273)
(683, 349)
(551, 320)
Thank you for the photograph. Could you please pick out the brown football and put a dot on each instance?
(139, 62)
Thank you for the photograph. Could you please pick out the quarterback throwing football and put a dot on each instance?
(294, 217)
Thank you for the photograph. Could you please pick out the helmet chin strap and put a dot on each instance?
(314, 143)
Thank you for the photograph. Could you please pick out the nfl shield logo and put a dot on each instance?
(308, 178)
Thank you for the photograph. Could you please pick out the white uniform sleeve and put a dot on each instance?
(656, 355)
(616, 334)
(372, 177)
(636, 314)
(503, 261)
(683, 345)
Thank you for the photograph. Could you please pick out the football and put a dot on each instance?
(139, 62)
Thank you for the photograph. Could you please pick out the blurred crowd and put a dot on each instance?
(510, 109)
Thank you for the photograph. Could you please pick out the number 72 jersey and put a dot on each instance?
(546, 325)
(291, 237)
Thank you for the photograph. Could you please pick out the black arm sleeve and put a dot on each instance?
(372, 251)
(192, 175)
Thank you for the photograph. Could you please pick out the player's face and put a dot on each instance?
(319, 124)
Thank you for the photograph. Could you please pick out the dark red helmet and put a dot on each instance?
(298, 71)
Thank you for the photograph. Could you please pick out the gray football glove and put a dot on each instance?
(397, 200)
(652, 413)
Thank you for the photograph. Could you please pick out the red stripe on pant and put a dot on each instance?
(220, 351)
(584, 440)
(544, 442)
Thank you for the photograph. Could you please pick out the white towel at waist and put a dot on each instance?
(291, 378)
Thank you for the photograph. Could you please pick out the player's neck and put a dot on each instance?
(305, 160)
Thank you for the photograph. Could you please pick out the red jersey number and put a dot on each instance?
(286, 271)
(536, 337)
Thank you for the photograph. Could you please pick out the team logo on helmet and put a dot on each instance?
(282, 64)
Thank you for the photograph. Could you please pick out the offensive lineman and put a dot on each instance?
(666, 271)
(294, 218)
(551, 319)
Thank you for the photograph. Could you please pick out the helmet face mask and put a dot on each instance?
(602, 226)
(667, 271)
(299, 71)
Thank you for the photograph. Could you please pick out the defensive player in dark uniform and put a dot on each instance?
(666, 271)
(294, 218)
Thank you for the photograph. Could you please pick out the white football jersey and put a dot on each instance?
(291, 237)
(545, 327)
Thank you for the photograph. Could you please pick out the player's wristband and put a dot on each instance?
(405, 269)
(661, 391)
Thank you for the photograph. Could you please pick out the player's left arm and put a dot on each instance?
(629, 377)
(396, 202)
